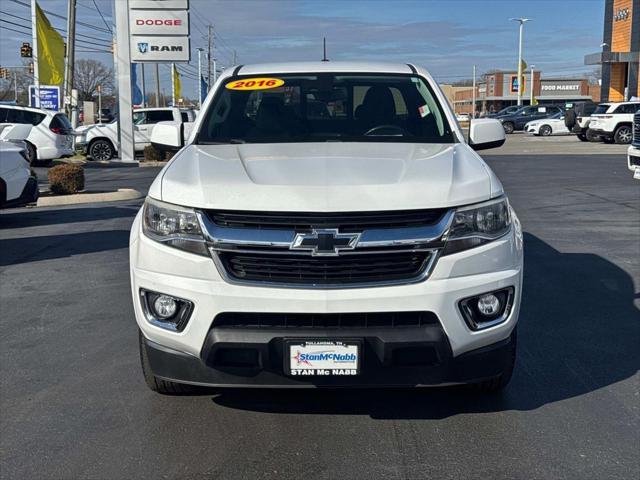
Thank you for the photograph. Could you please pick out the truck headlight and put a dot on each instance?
(173, 225)
(478, 224)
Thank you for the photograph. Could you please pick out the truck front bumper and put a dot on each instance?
(446, 351)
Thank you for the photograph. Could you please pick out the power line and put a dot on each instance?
(53, 14)
(101, 16)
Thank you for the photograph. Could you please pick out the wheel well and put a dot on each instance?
(3, 191)
(35, 149)
(623, 124)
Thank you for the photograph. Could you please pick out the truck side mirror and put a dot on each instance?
(486, 133)
(168, 136)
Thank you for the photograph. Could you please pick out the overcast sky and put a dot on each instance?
(447, 37)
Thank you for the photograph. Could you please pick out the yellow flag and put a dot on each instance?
(177, 87)
(50, 51)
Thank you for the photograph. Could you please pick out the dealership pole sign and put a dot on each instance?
(159, 31)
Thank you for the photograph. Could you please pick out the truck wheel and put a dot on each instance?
(582, 137)
(623, 135)
(545, 130)
(157, 384)
(592, 137)
(508, 127)
(499, 383)
(101, 150)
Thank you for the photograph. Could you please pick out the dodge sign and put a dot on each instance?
(159, 22)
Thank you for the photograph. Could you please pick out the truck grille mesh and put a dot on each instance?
(304, 269)
(636, 130)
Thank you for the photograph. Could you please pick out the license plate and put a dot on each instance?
(325, 358)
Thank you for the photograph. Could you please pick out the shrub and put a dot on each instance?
(152, 154)
(168, 155)
(66, 179)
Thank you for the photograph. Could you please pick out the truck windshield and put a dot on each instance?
(325, 107)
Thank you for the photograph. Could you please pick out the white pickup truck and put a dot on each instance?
(327, 224)
(100, 141)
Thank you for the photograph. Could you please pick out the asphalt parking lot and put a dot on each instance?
(73, 403)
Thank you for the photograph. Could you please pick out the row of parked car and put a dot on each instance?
(610, 122)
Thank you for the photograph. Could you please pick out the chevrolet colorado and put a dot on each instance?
(363, 243)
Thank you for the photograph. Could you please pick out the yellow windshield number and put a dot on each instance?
(255, 84)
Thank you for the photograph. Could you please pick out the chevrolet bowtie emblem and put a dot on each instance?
(325, 242)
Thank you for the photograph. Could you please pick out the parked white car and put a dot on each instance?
(633, 154)
(463, 117)
(553, 125)
(370, 246)
(17, 185)
(100, 141)
(612, 122)
(51, 136)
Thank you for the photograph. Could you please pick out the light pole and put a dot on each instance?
(530, 87)
(473, 95)
(521, 21)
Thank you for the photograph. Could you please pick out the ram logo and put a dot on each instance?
(143, 47)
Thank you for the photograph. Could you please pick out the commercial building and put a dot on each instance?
(620, 55)
(498, 90)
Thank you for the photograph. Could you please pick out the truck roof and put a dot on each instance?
(319, 67)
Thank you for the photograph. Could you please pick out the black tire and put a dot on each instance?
(101, 150)
(156, 384)
(570, 119)
(500, 382)
(32, 154)
(508, 127)
(592, 137)
(582, 137)
(545, 130)
(623, 135)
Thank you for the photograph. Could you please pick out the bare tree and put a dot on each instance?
(88, 75)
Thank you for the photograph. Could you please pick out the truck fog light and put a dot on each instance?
(165, 306)
(488, 305)
(487, 309)
(165, 311)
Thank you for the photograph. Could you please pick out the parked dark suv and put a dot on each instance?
(518, 119)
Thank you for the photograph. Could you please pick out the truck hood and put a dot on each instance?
(328, 176)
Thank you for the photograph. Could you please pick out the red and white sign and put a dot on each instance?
(159, 22)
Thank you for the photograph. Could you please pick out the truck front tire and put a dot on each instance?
(156, 384)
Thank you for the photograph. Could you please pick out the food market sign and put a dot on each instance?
(560, 86)
(159, 31)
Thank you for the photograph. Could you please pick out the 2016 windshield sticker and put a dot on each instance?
(255, 84)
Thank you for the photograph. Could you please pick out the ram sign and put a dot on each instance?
(160, 49)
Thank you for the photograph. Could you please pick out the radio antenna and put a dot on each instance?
(324, 49)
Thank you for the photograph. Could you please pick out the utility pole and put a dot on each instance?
(125, 114)
(157, 85)
(173, 85)
(199, 78)
(215, 72)
(69, 59)
(34, 36)
(473, 95)
(522, 21)
(15, 86)
(210, 47)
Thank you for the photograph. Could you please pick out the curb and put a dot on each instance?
(121, 194)
(153, 164)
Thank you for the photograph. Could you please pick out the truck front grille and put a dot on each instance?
(325, 250)
(343, 269)
(636, 130)
(324, 320)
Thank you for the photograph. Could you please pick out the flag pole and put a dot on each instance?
(34, 39)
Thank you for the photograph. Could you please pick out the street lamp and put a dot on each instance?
(200, 50)
(521, 21)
